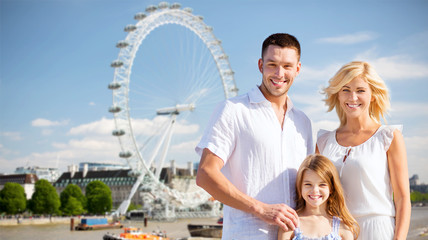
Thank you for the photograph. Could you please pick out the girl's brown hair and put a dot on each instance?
(336, 205)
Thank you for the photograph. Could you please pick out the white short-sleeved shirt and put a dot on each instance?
(364, 174)
(260, 158)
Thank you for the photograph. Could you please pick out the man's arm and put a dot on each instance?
(210, 178)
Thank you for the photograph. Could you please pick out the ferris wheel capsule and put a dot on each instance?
(122, 44)
(118, 133)
(115, 109)
(140, 16)
(145, 189)
(151, 8)
(163, 5)
(175, 6)
(130, 28)
(126, 154)
(187, 9)
(116, 64)
(114, 86)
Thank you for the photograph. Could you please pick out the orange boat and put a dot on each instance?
(131, 233)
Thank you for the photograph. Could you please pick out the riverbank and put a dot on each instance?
(45, 229)
(16, 221)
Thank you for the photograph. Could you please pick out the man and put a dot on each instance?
(253, 146)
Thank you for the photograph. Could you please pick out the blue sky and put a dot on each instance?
(55, 60)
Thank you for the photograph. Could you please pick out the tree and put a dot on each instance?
(12, 198)
(73, 202)
(98, 196)
(73, 207)
(133, 206)
(45, 200)
(416, 197)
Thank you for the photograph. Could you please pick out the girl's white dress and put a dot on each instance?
(364, 175)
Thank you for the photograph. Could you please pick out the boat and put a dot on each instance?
(131, 233)
(96, 223)
(135, 215)
(206, 230)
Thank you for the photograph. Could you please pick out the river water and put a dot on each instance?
(175, 230)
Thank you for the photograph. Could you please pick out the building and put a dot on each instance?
(119, 181)
(27, 181)
(94, 166)
(414, 180)
(50, 174)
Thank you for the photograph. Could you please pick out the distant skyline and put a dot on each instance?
(55, 60)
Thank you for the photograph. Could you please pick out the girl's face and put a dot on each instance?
(355, 98)
(315, 191)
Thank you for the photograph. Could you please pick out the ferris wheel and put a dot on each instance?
(180, 74)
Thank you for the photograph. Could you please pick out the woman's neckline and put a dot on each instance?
(368, 139)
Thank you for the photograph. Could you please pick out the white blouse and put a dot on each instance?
(364, 173)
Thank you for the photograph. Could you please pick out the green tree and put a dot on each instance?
(416, 196)
(75, 206)
(133, 206)
(12, 198)
(45, 200)
(98, 196)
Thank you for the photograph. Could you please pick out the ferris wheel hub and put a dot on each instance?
(176, 109)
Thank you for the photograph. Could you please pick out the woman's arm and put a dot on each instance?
(397, 162)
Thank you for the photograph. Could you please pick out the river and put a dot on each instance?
(175, 230)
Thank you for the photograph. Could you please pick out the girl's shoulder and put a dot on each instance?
(345, 233)
(282, 235)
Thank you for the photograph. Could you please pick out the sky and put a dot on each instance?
(55, 60)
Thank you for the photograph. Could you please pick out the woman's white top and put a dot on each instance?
(364, 173)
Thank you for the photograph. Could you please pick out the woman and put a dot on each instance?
(370, 157)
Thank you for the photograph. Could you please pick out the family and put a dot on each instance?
(258, 158)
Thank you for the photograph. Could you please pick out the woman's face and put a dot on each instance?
(355, 98)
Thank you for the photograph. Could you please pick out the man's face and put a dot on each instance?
(279, 67)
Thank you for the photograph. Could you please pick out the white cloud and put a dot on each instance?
(145, 127)
(47, 132)
(322, 75)
(416, 157)
(350, 38)
(412, 110)
(184, 147)
(15, 136)
(4, 151)
(397, 67)
(101, 127)
(92, 104)
(41, 122)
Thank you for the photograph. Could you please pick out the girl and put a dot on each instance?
(320, 203)
(370, 157)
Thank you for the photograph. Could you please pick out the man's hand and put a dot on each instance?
(278, 214)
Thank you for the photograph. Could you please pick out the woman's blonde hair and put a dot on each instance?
(336, 205)
(357, 69)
